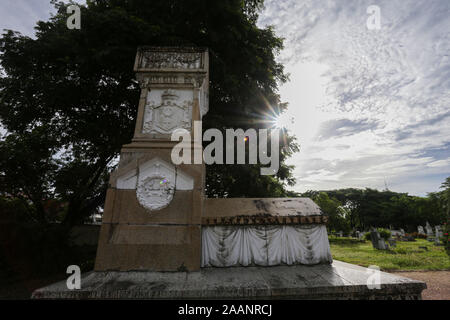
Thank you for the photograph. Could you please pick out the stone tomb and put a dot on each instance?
(263, 232)
(161, 238)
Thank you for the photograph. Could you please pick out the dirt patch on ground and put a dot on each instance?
(438, 283)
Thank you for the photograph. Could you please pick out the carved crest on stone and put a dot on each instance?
(155, 192)
(169, 115)
(155, 181)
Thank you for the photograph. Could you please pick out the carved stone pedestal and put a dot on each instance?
(153, 211)
(157, 220)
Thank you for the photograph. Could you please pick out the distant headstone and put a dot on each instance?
(429, 229)
(340, 234)
(395, 233)
(430, 233)
(420, 230)
(402, 232)
(437, 240)
(438, 235)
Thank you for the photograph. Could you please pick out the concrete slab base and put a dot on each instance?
(336, 281)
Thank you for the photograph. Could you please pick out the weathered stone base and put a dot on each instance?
(337, 281)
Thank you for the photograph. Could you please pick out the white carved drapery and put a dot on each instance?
(226, 246)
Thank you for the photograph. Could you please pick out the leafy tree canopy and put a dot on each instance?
(68, 98)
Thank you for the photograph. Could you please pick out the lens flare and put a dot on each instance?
(284, 121)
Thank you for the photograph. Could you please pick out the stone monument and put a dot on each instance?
(430, 233)
(153, 210)
(377, 241)
(156, 216)
(161, 238)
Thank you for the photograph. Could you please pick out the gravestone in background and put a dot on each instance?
(438, 235)
(429, 229)
(430, 233)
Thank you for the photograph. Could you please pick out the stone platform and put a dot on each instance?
(336, 281)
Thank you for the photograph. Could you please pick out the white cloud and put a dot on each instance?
(381, 98)
(439, 163)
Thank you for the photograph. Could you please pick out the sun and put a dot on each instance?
(283, 121)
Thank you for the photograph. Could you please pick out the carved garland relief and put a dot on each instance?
(172, 60)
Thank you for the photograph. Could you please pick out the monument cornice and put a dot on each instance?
(265, 220)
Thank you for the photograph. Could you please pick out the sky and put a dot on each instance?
(369, 107)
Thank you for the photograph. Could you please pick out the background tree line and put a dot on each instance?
(360, 209)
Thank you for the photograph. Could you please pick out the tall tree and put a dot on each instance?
(334, 210)
(446, 196)
(71, 94)
(369, 207)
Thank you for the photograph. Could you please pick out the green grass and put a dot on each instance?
(406, 256)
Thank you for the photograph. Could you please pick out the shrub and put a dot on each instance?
(28, 250)
(416, 235)
(384, 233)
